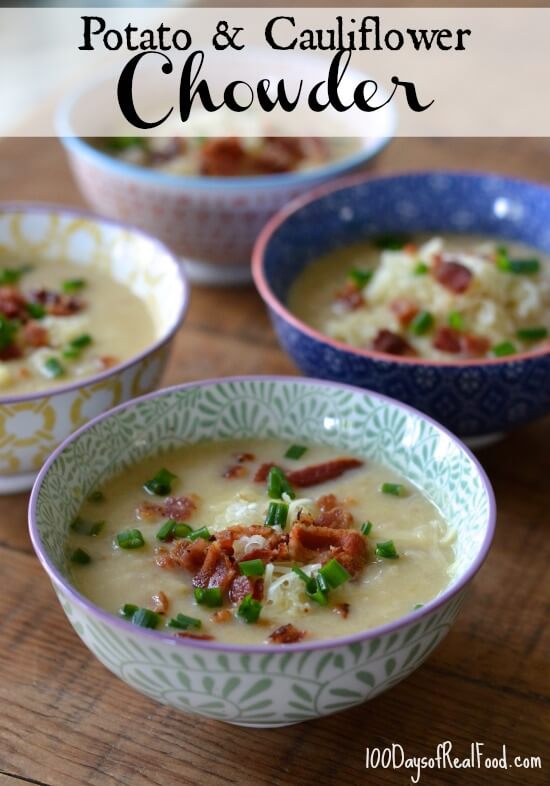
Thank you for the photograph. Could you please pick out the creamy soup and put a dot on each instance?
(260, 541)
(229, 156)
(60, 323)
(438, 298)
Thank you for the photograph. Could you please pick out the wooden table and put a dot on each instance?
(65, 720)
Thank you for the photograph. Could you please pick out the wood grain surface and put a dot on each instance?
(66, 721)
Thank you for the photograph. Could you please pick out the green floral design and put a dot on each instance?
(279, 686)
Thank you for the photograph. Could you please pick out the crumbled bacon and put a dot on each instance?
(404, 309)
(262, 472)
(58, 304)
(319, 473)
(235, 471)
(185, 634)
(223, 157)
(246, 585)
(12, 303)
(447, 339)
(309, 543)
(286, 634)
(332, 513)
(349, 297)
(274, 550)
(108, 361)
(160, 603)
(173, 508)
(34, 335)
(186, 554)
(342, 609)
(11, 352)
(391, 343)
(452, 275)
(221, 616)
(475, 346)
(217, 569)
(243, 457)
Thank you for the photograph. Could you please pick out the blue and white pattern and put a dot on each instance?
(470, 399)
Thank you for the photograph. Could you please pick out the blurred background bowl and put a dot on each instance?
(477, 399)
(264, 685)
(32, 425)
(209, 222)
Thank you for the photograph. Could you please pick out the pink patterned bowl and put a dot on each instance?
(211, 223)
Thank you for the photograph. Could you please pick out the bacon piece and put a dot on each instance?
(246, 585)
(452, 275)
(391, 343)
(286, 634)
(275, 549)
(34, 335)
(174, 508)
(160, 603)
(319, 473)
(278, 154)
(243, 457)
(262, 472)
(404, 309)
(12, 303)
(186, 554)
(475, 346)
(217, 569)
(309, 543)
(11, 352)
(350, 297)
(184, 634)
(333, 513)
(222, 157)
(342, 609)
(235, 471)
(108, 361)
(447, 339)
(58, 304)
(222, 615)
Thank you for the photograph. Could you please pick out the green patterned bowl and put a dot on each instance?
(264, 685)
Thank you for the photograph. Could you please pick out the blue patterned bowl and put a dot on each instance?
(265, 685)
(473, 398)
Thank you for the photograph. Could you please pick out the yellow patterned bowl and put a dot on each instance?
(32, 425)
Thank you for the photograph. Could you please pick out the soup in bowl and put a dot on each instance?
(70, 286)
(254, 535)
(430, 287)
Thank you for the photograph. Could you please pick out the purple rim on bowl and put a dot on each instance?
(108, 618)
(71, 212)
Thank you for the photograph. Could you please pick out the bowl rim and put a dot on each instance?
(318, 644)
(67, 211)
(295, 205)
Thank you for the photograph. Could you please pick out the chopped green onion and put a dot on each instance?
(456, 320)
(418, 606)
(117, 143)
(53, 368)
(130, 539)
(145, 618)
(518, 267)
(202, 532)
(11, 275)
(36, 310)
(503, 349)
(85, 527)
(334, 574)
(70, 353)
(161, 483)
(181, 530)
(360, 277)
(72, 285)
(277, 513)
(386, 550)
(8, 329)
(277, 484)
(295, 452)
(74, 347)
(319, 596)
(81, 557)
(390, 242)
(422, 322)
(420, 269)
(397, 489)
(183, 622)
(96, 496)
(165, 532)
(128, 611)
(209, 596)
(249, 609)
(252, 567)
(366, 527)
(532, 333)
(309, 581)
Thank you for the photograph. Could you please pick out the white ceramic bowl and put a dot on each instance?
(32, 425)
(265, 685)
(210, 222)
